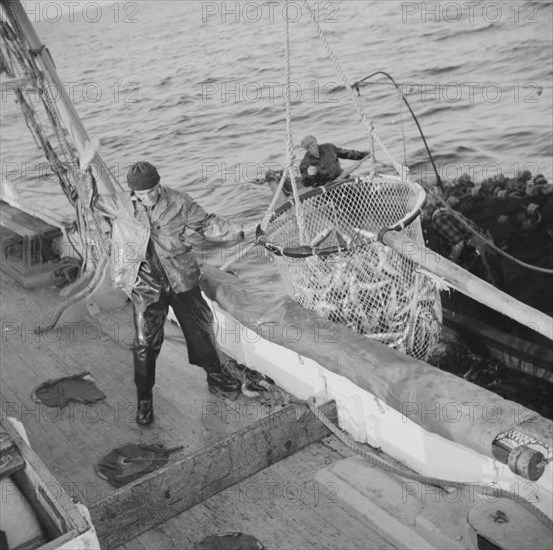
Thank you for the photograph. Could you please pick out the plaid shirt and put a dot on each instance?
(450, 228)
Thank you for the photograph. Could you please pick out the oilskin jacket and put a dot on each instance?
(133, 225)
(327, 164)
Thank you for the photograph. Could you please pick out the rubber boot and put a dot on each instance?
(223, 380)
(144, 378)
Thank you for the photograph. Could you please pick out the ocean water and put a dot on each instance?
(197, 88)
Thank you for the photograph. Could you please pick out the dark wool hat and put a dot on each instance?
(142, 176)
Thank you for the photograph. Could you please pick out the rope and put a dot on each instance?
(413, 88)
(403, 171)
(103, 239)
(68, 270)
(486, 241)
(400, 97)
(94, 282)
(290, 157)
(270, 210)
(437, 482)
(440, 185)
(356, 86)
(290, 141)
(525, 440)
(30, 115)
(44, 91)
(88, 222)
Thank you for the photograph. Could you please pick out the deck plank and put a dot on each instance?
(194, 477)
(71, 441)
(280, 520)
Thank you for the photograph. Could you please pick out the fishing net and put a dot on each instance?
(332, 262)
(327, 243)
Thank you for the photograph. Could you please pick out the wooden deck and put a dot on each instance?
(282, 505)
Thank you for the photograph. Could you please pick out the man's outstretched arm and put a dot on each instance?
(351, 154)
(212, 227)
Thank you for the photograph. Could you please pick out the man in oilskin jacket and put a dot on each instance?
(320, 165)
(154, 264)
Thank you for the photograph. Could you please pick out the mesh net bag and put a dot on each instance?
(332, 263)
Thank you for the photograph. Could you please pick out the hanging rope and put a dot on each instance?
(14, 43)
(400, 97)
(384, 73)
(403, 171)
(7, 60)
(439, 183)
(72, 172)
(68, 169)
(290, 157)
(75, 298)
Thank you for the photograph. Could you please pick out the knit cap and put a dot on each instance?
(142, 176)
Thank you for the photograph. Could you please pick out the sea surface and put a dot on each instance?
(197, 88)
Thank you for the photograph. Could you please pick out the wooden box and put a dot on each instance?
(37, 513)
(29, 247)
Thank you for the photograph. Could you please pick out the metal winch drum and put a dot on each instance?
(332, 262)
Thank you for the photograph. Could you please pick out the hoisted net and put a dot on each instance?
(326, 246)
(345, 274)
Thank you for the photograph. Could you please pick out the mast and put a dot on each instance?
(39, 55)
(27, 59)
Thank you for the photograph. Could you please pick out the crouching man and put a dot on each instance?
(321, 163)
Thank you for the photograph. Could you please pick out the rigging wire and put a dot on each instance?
(69, 172)
(439, 183)
(356, 87)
